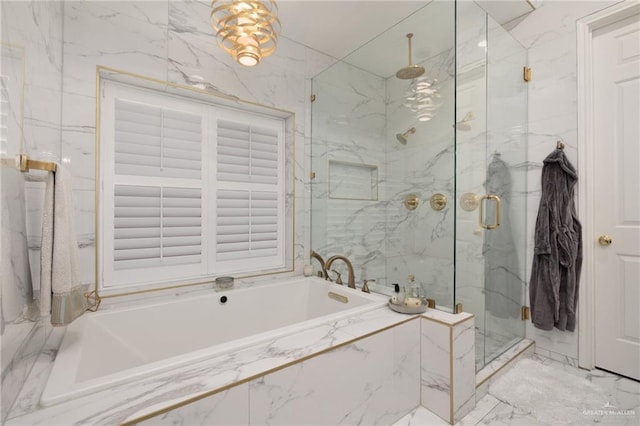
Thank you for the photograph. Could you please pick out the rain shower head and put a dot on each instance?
(411, 71)
(402, 137)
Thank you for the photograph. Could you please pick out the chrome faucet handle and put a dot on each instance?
(339, 279)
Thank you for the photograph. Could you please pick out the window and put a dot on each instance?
(189, 189)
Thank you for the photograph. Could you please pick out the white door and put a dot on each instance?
(616, 100)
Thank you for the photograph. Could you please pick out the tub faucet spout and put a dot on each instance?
(351, 282)
(323, 265)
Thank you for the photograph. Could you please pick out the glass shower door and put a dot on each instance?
(504, 247)
(491, 154)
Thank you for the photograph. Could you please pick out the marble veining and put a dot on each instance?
(132, 400)
(493, 409)
(447, 368)
(463, 383)
(32, 59)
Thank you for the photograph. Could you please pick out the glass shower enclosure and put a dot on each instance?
(425, 176)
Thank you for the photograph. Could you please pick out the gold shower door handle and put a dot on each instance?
(496, 224)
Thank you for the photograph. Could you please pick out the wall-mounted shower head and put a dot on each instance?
(402, 137)
(410, 71)
(464, 124)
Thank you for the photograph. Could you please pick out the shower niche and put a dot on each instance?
(435, 104)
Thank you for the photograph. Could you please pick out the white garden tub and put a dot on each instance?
(110, 347)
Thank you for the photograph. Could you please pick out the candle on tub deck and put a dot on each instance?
(412, 302)
(307, 270)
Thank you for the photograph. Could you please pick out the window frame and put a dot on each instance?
(190, 100)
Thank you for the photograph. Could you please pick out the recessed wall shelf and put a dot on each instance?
(353, 181)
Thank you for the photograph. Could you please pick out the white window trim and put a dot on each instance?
(110, 90)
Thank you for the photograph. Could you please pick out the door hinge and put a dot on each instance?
(526, 74)
(524, 313)
(313, 98)
(312, 175)
(459, 308)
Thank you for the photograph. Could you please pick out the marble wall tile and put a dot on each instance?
(356, 381)
(131, 37)
(17, 291)
(35, 30)
(15, 375)
(448, 365)
(226, 408)
(406, 365)
(464, 366)
(348, 126)
(436, 368)
(29, 397)
(36, 27)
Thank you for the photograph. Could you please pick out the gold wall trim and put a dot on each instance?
(509, 361)
(261, 374)
(451, 375)
(111, 74)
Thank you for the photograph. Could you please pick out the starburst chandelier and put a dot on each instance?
(246, 29)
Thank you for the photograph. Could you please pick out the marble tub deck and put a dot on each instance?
(133, 400)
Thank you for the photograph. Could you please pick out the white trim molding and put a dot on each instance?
(585, 28)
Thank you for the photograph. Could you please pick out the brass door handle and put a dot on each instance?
(496, 224)
(605, 240)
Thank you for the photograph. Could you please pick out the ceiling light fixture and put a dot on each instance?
(246, 29)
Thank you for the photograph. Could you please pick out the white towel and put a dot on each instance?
(61, 294)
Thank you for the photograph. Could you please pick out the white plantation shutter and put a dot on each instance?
(247, 224)
(155, 141)
(249, 209)
(190, 189)
(247, 153)
(155, 226)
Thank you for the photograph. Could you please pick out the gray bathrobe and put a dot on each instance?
(555, 274)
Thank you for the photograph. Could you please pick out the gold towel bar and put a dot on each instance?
(24, 164)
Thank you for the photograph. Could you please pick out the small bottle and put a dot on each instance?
(414, 287)
(413, 293)
(396, 292)
(401, 295)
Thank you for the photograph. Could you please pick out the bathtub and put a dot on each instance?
(111, 347)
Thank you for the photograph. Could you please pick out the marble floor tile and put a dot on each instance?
(420, 417)
(490, 410)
